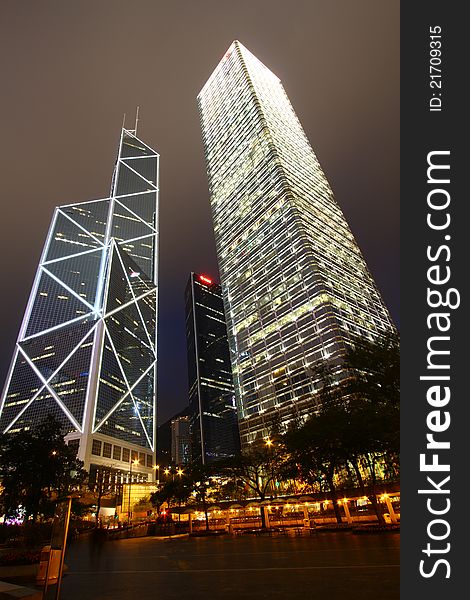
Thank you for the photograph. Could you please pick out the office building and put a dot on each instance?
(295, 285)
(180, 441)
(86, 351)
(212, 411)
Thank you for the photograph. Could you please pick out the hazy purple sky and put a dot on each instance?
(69, 70)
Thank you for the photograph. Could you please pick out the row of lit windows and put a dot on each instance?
(252, 163)
(122, 454)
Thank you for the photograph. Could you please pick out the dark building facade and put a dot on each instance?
(212, 409)
(165, 439)
(180, 441)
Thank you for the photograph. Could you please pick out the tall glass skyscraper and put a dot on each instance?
(296, 287)
(212, 411)
(86, 351)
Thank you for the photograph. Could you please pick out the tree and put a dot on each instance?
(160, 497)
(258, 467)
(200, 486)
(172, 491)
(317, 451)
(37, 466)
(357, 421)
(373, 389)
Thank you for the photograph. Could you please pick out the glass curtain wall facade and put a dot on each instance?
(296, 287)
(180, 441)
(86, 351)
(212, 409)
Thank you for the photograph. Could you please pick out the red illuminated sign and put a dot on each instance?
(205, 279)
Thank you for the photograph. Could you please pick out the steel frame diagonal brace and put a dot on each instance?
(46, 382)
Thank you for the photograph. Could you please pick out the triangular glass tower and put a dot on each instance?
(86, 351)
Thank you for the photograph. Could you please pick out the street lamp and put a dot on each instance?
(156, 468)
(133, 462)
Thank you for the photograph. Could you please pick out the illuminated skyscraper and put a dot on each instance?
(180, 441)
(212, 412)
(86, 351)
(296, 287)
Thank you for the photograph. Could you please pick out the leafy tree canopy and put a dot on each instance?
(36, 466)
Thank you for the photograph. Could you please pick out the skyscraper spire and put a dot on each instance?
(136, 120)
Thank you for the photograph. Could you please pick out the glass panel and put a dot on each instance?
(147, 167)
(147, 307)
(124, 424)
(74, 445)
(131, 146)
(129, 182)
(107, 450)
(119, 291)
(71, 383)
(143, 396)
(126, 331)
(80, 273)
(23, 385)
(141, 252)
(68, 239)
(112, 386)
(43, 408)
(93, 216)
(48, 351)
(139, 281)
(126, 226)
(53, 306)
(143, 205)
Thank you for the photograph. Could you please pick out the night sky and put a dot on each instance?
(70, 70)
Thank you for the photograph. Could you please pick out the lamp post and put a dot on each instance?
(129, 514)
(156, 468)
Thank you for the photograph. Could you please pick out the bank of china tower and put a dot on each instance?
(86, 351)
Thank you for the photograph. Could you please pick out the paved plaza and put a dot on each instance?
(326, 565)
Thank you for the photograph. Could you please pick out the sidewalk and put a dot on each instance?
(8, 591)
